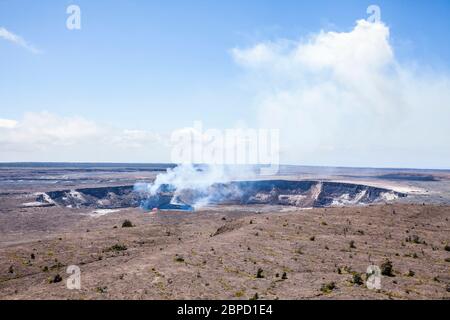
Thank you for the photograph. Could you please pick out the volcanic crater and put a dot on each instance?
(302, 194)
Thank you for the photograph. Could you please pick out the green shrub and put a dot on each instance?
(117, 247)
(386, 269)
(57, 278)
(415, 239)
(179, 258)
(259, 273)
(328, 287)
(127, 224)
(255, 296)
(357, 279)
(101, 289)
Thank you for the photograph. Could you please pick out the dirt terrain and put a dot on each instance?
(252, 251)
(216, 254)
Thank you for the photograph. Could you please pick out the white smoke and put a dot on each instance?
(187, 178)
(343, 98)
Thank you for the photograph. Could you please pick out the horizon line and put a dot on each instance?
(202, 164)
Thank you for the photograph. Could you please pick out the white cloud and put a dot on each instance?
(45, 136)
(41, 130)
(136, 138)
(9, 36)
(342, 98)
(6, 123)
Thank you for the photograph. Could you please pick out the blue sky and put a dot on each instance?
(160, 65)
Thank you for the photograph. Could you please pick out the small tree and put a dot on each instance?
(127, 224)
(386, 269)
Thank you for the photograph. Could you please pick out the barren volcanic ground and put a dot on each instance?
(236, 251)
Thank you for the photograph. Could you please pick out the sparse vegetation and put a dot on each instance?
(239, 294)
(357, 279)
(233, 269)
(101, 289)
(57, 278)
(127, 224)
(179, 258)
(415, 239)
(386, 269)
(410, 273)
(328, 287)
(117, 247)
(255, 296)
(259, 273)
